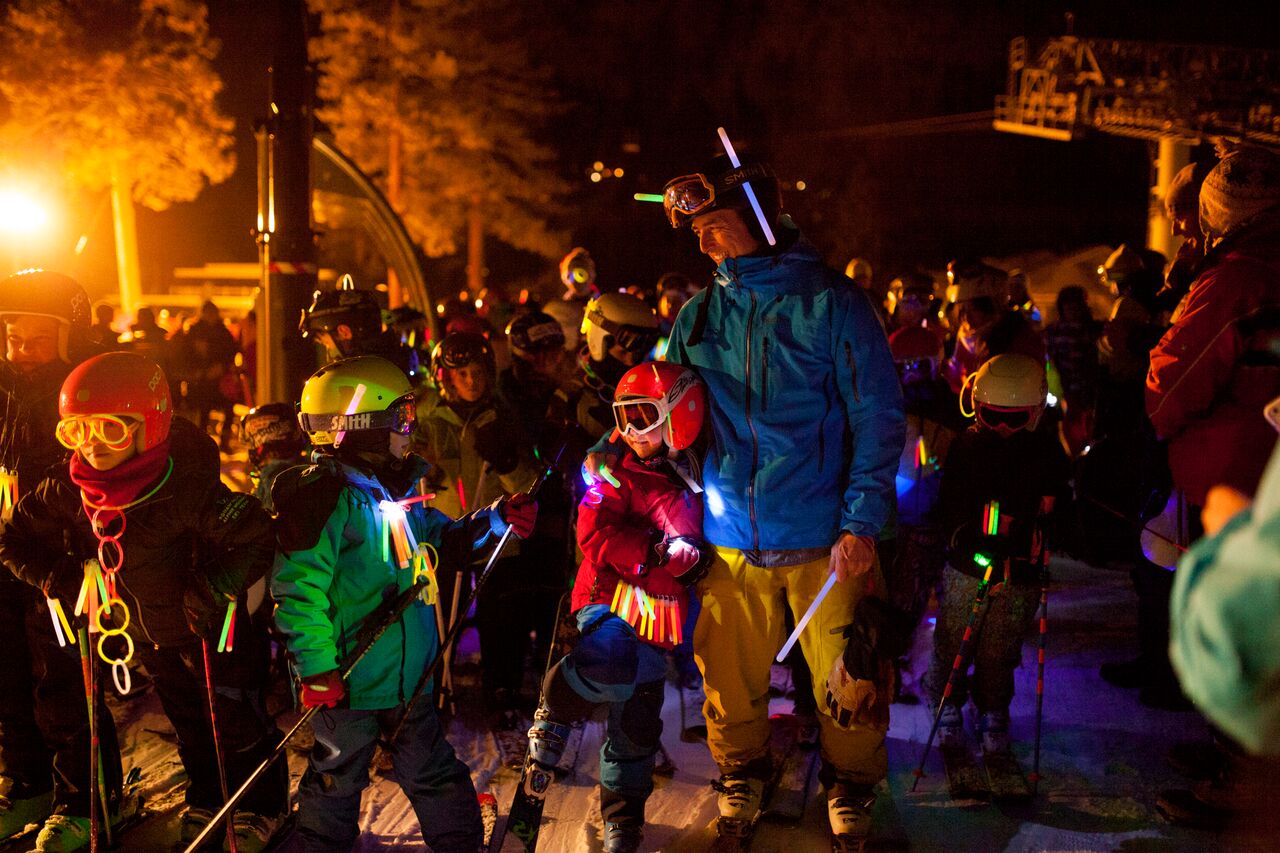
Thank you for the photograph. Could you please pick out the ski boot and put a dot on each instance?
(17, 813)
(62, 834)
(547, 739)
(622, 838)
(255, 832)
(739, 802)
(951, 725)
(849, 812)
(193, 822)
(993, 729)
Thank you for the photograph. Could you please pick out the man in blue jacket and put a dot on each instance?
(807, 421)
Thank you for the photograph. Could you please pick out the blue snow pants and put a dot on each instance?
(611, 666)
(436, 783)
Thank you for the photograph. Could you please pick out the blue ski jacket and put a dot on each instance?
(805, 407)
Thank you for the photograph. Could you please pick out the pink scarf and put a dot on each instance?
(121, 484)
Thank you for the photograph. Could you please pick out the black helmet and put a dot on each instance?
(351, 317)
(458, 349)
(272, 428)
(535, 332)
(719, 185)
(42, 293)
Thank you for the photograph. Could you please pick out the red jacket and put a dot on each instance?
(1211, 376)
(617, 529)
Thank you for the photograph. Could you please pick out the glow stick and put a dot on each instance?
(655, 197)
(746, 185)
(804, 620)
(84, 592)
(62, 617)
(225, 641)
(617, 595)
(607, 476)
(351, 410)
(53, 617)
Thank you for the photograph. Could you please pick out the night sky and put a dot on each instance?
(799, 82)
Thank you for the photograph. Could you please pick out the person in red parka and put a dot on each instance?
(640, 531)
(1216, 367)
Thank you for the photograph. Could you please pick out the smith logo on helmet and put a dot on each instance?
(348, 423)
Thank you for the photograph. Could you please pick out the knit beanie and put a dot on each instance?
(1244, 184)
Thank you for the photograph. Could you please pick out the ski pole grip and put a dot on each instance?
(804, 620)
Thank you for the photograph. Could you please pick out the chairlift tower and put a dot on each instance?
(1175, 95)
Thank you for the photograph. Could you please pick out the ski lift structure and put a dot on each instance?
(1174, 95)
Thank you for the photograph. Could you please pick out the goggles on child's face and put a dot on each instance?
(75, 431)
(638, 415)
(400, 417)
(1011, 420)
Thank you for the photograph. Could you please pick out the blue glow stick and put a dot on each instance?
(746, 185)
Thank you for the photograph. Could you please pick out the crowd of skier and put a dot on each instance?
(676, 481)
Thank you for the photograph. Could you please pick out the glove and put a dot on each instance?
(520, 512)
(879, 632)
(325, 690)
(859, 701)
(63, 583)
(496, 447)
(683, 559)
(204, 608)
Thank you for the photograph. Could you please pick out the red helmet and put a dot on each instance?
(660, 394)
(121, 383)
(913, 343)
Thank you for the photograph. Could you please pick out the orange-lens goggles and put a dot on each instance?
(114, 431)
(686, 196)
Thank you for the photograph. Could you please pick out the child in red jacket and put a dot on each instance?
(641, 537)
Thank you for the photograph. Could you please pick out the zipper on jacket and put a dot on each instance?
(755, 439)
(822, 433)
(764, 377)
(853, 371)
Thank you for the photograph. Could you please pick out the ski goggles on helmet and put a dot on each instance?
(639, 415)
(116, 432)
(687, 196)
(996, 417)
(400, 417)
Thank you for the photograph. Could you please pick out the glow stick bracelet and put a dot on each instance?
(804, 620)
(746, 185)
(57, 626)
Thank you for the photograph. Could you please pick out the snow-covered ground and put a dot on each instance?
(1102, 760)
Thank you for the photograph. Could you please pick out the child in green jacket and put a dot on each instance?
(348, 541)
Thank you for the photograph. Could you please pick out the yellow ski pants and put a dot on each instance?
(739, 631)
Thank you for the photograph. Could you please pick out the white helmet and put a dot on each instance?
(1007, 393)
(622, 319)
(569, 316)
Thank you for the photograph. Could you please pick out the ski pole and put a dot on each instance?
(1043, 617)
(86, 673)
(965, 642)
(217, 742)
(456, 627)
(390, 615)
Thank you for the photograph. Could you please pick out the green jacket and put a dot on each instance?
(329, 576)
(465, 480)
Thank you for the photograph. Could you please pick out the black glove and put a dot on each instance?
(64, 583)
(879, 632)
(204, 608)
(497, 446)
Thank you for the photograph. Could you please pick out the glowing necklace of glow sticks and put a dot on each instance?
(746, 185)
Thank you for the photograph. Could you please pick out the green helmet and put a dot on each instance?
(361, 393)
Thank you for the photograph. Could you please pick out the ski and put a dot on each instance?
(488, 815)
(795, 778)
(965, 779)
(1005, 777)
(524, 821)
